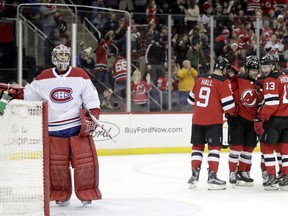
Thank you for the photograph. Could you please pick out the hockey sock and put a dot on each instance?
(233, 160)
(278, 153)
(262, 163)
(213, 157)
(245, 160)
(197, 156)
(269, 158)
(284, 156)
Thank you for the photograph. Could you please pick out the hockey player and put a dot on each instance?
(70, 94)
(242, 138)
(211, 97)
(272, 125)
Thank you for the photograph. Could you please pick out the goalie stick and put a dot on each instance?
(99, 124)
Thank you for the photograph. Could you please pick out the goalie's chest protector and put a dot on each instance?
(65, 95)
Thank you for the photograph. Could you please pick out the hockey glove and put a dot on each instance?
(88, 126)
(15, 91)
(258, 126)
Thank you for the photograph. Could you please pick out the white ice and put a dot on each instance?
(156, 185)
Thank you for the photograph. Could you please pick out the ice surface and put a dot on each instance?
(156, 185)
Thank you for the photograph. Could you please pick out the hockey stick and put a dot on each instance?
(99, 124)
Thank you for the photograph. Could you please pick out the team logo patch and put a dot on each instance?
(248, 98)
(61, 95)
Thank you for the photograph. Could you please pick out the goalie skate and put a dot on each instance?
(271, 183)
(194, 178)
(243, 179)
(86, 202)
(63, 203)
(214, 183)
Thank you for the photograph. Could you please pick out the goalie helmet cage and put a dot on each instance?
(24, 159)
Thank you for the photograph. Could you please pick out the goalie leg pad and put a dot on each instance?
(86, 169)
(60, 176)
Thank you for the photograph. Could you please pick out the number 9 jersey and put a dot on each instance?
(211, 98)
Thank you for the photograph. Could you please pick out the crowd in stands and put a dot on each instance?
(234, 35)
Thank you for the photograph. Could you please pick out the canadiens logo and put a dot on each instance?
(61, 95)
(248, 98)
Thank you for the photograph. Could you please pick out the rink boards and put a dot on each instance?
(146, 133)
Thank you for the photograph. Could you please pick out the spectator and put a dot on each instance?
(139, 91)
(156, 56)
(101, 67)
(273, 47)
(48, 14)
(151, 11)
(86, 61)
(181, 48)
(119, 71)
(186, 76)
(140, 9)
(178, 14)
(95, 11)
(196, 57)
(126, 4)
(221, 42)
(207, 13)
(192, 14)
(234, 56)
(106, 101)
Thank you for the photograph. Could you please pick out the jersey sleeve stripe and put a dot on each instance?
(271, 99)
(227, 103)
(271, 102)
(226, 99)
(191, 98)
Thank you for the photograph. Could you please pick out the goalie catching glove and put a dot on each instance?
(88, 126)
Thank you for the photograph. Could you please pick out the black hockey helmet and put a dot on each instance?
(267, 60)
(252, 62)
(221, 63)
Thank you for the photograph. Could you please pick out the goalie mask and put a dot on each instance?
(60, 56)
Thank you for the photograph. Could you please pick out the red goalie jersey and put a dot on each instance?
(211, 97)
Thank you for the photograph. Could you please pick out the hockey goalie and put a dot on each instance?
(70, 95)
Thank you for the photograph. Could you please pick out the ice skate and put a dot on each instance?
(280, 176)
(243, 179)
(194, 178)
(283, 184)
(214, 183)
(264, 176)
(232, 178)
(86, 202)
(63, 203)
(271, 183)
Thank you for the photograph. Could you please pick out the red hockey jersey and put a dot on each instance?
(120, 69)
(101, 55)
(211, 96)
(275, 88)
(247, 95)
(139, 92)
